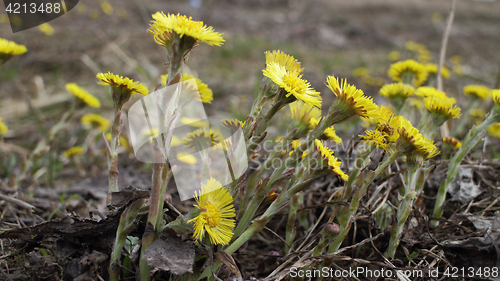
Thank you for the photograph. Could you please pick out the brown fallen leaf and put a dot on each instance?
(228, 261)
(169, 253)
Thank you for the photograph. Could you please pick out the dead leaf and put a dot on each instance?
(228, 261)
(126, 195)
(169, 253)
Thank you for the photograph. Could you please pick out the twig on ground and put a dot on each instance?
(442, 54)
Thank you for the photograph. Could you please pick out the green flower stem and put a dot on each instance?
(154, 211)
(347, 215)
(166, 175)
(471, 139)
(124, 227)
(264, 90)
(112, 151)
(249, 211)
(275, 154)
(363, 157)
(345, 221)
(409, 195)
(290, 225)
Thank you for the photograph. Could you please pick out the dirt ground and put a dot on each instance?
(328, 37)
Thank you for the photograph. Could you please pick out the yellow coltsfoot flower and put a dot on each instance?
(455, 143)
(3, 128)
(494, 130)
(408, 72)
(46, 29)
(352, 99)
(412, 142)
(204, 93)
(93, 120)
(386, 130)
(397, 93)
(329, 160)
(442, 109)
(425, 92)
(432, 68)
(302, 114)
(232, 123)
(291, 64)
(375, 137)
(216, 212)
(332, 135)
(9, 49)
(163, 25)
(394, 55)
(292, 84)
(83, 95)
(201, 139)
(478, 91)
(187, 158)
(496, 97)
(123, 88)
(75, 150)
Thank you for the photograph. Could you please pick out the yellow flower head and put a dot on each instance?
(417, 103)
(124, 83)
(46, 29)
(187, 158)
(93, 120)
(375, 137)
(496, 96)
(304, 113)
(331, 135)
(291, 64)
(83, 95)
(410, 141)
(9, 48)
(75, 150)
(3, 128)
(216, 210)
(398, 91)
(292, 84)
(387, 129)
(232, 123)
(443, 109)
(455, 143)
(205, 93)
(106, 7)
(201, 139)
(425, 92)
(477, 113)
(494, 130)
(394, 56)
(194, 122)
(122, 87)
(432, 68)
(360, 72)
(414, 46)
(409, 72)
(162, 36)
(182, 25)
(385, 114)
(479, 91)
(328, 159)
(352, 97)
